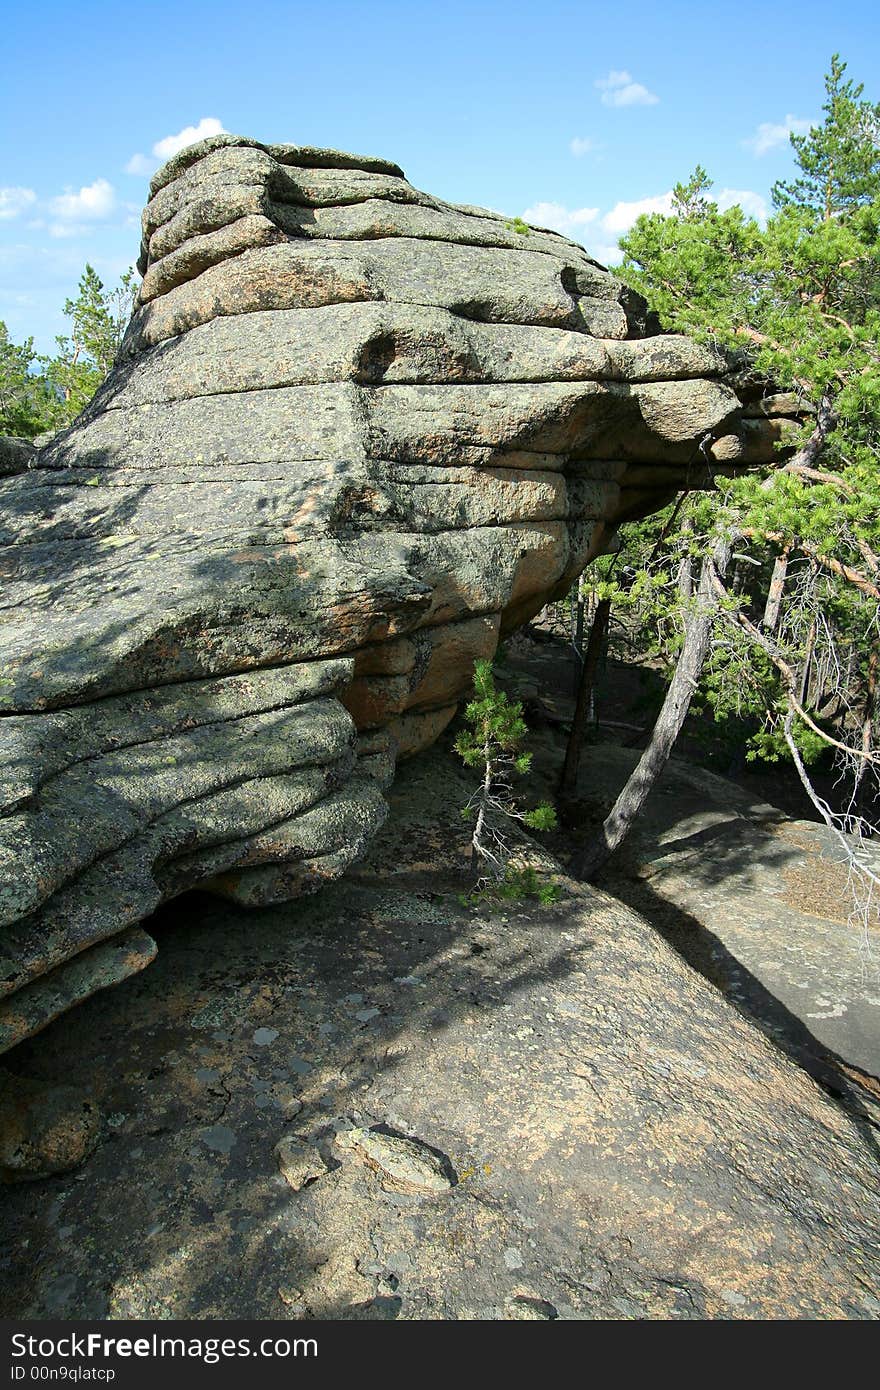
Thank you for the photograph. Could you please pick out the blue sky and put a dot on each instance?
(570, 114)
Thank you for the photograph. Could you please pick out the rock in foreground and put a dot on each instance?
(624, 1144)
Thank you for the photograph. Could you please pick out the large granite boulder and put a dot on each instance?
(354, 433)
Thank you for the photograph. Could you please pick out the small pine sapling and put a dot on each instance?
(493, 741)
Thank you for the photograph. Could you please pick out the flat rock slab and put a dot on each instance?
(773, 892)
(620, 1141)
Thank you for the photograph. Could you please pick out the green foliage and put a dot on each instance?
(800, 299)
(694, 266)
(27, 402)
(768, 744)
(98, 321)
(492, 741)
(798, 304)
(494, 722)
(542, 818)
(516, 224)
(838, 159)
(517, 885)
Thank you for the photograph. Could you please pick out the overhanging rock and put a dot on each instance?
(353, 435)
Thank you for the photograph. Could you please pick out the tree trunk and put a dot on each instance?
(776, 590)
(568, 781)
(577, 640)
(698, 626)
(477, 839)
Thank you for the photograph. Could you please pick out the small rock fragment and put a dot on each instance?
(523, 1308)
(407, 1162)
(294, 1300)
(299, 1163)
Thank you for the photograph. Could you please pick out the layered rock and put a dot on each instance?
(354, 434)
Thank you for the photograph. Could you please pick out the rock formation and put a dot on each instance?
(354, 434)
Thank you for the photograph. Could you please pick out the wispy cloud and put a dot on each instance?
(94, 202)
(583, 144)
(770, 135)
(14, 201)
(603, 231)
(619, 89)
(752, 204)
(568, 221)
(63, 231)
(142, 164)
(170, 145)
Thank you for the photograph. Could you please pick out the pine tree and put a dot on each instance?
(493, 742)
(27, 403)
(98, 322)
(838, 160)
(798, 302)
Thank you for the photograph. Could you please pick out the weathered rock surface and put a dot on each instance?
(625, 1143)
(354, 433)
(15, 454)
(44, 1129)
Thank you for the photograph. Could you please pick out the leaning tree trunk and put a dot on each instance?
(698, 626)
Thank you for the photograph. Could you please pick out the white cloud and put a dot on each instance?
(568, 221)
(170, 145)
(94, 201)
(581, 145)
(572, 221)
(752, 204)
(619, 89)
(770, 135)
(617, 77)
(173, 144)
(14, 201)
(623, 215)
